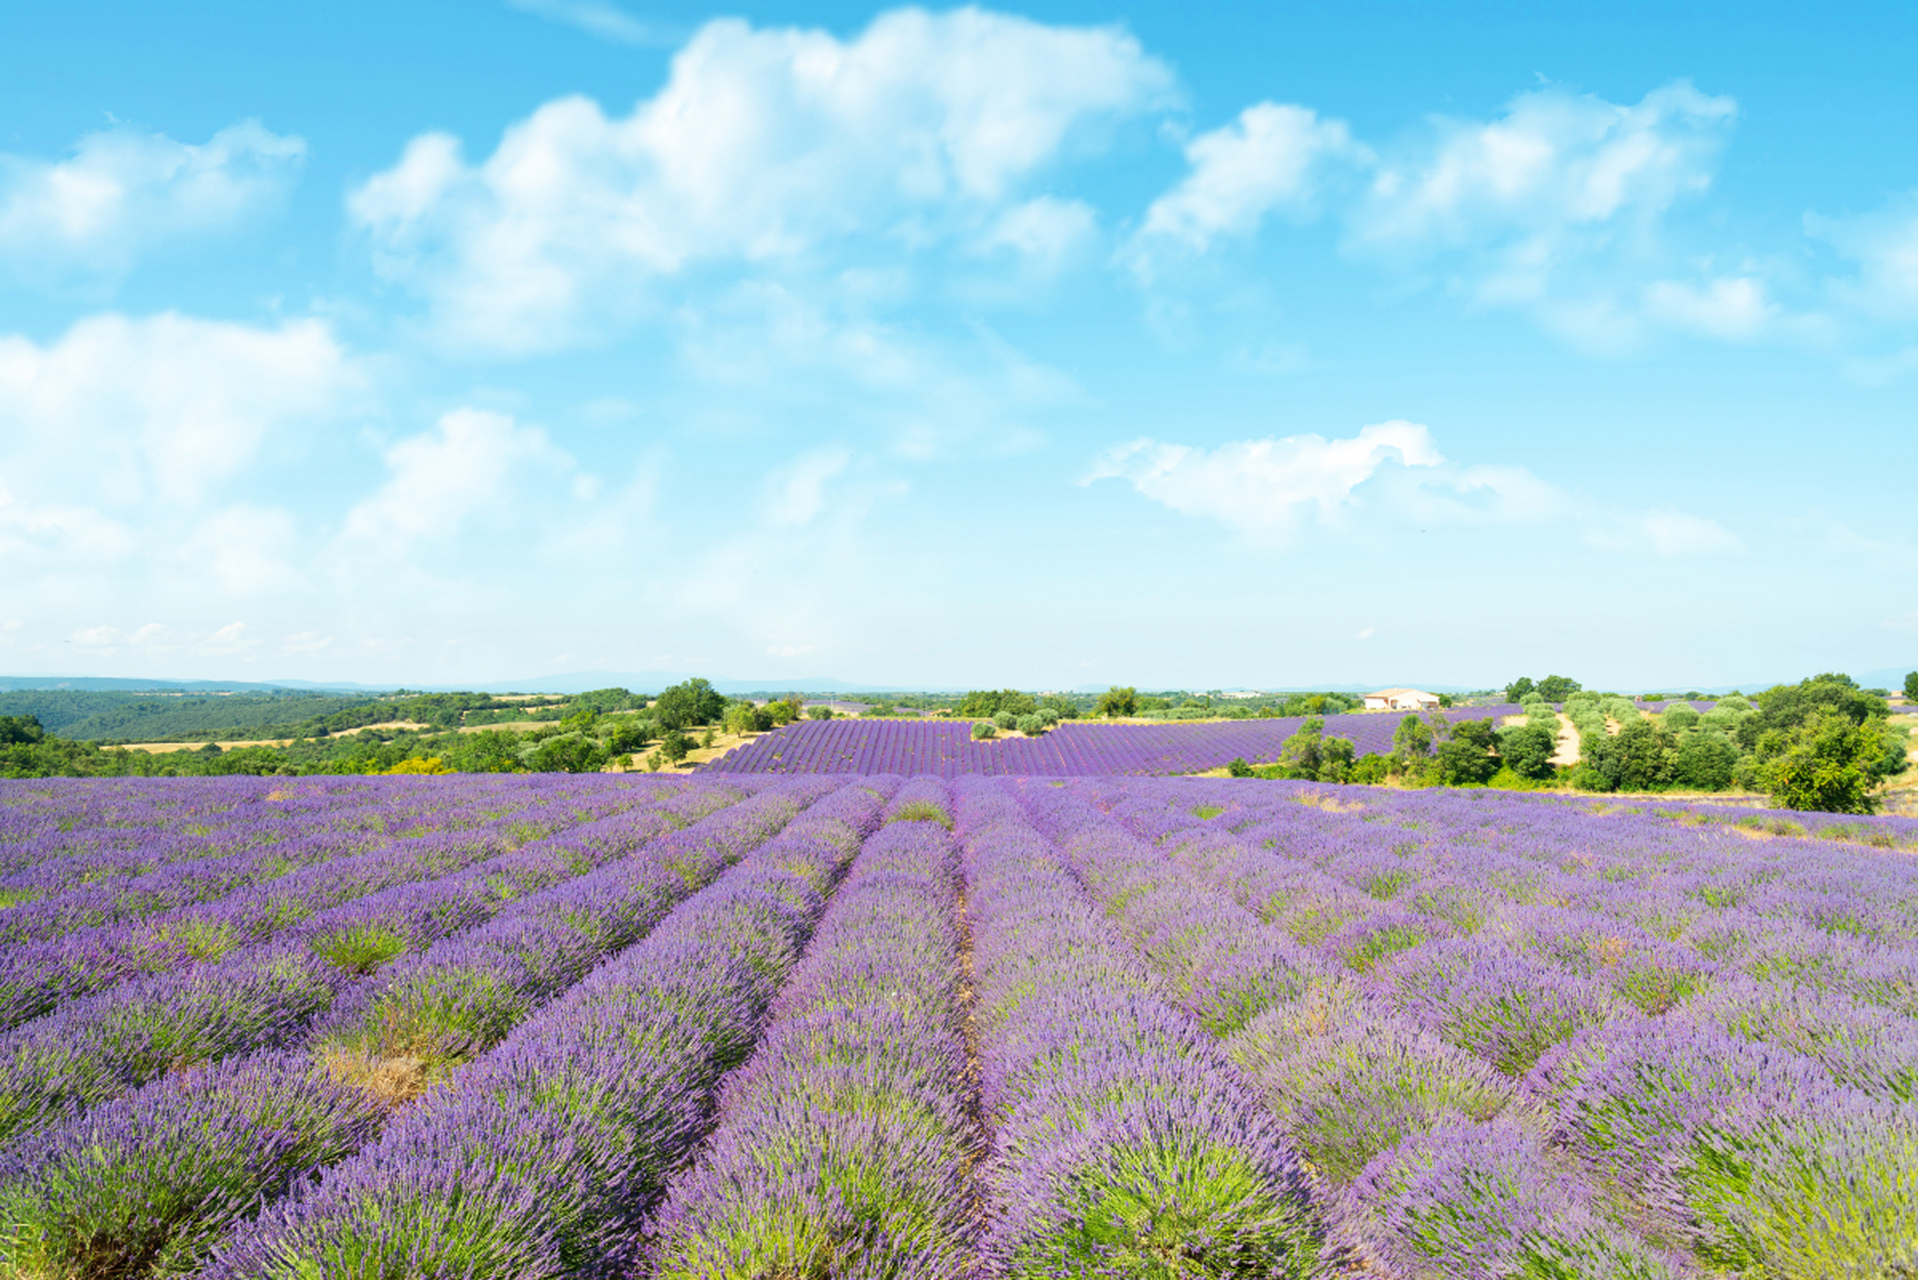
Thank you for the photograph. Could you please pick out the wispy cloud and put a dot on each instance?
(1388, 478)
(605, 21)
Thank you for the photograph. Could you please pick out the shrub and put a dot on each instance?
(821, 712)
(1238, 768)
(983, 729)
(418, 764)
(1369, 769)
(1005, 720)
(1032, 725)
(565, 753)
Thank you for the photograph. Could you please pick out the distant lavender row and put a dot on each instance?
(946, 748)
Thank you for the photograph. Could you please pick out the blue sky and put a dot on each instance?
(1046, 346)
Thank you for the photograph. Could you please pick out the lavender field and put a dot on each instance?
(1072, 750)
(838, 1025)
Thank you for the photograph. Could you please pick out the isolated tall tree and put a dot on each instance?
(1119, 701)
(1911, 686)
(1516, 691)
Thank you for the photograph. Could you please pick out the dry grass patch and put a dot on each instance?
(393, 1082)
(163, 748)
(1330, 803)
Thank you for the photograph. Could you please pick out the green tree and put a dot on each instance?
(744, 717)
(1787, 706)
(675, 746)
(1639, 757)
(1516, 691)
(820, 712)
(691, 702)
(1336, 757)
(988, 704)
(1469, 753)
(487, 751)
(1826, 764)
(1304, 752)
(1412, 739)
(1557, 688)
(1704, 761)
(20, 731)
(1119, 701)
(566, 753)
(1527, 750)
(1911, 686)
(628, 734)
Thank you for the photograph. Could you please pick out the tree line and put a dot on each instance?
(581, 734)
(1822, 744)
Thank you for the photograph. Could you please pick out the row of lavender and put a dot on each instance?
(946, 749)
(1105, 1028)
(685, 1110)
(1524, 1039)
(121, 1162)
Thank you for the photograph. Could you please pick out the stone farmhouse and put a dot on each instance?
(1401, 700)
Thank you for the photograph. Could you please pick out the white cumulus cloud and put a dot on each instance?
(1266, 487)
(1554, 161)
(1271, 158)
(119, 409)
(123, 191)
(1555, 206)
(762, 145)
(1391, 476)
